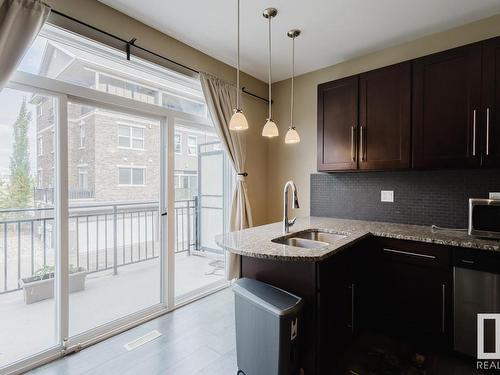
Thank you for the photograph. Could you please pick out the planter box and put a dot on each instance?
(35, 290)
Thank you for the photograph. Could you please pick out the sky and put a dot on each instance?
(10, 103)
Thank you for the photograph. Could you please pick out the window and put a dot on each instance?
(39, 178)
(130, 137)
(39, 146)
(131, 175)
(39, 109)
(178, 143)
(192, 145)
(83, 178)
(82, 135)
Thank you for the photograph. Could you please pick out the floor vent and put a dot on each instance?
(150, 336)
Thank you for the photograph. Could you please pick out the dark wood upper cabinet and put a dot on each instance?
(491, 103)
(385, 118)
(447, 109)
(337, 122)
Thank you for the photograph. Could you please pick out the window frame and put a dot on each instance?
(195, 153)
(39, 145)
(177, 134)
(131, 169)
(131, 138)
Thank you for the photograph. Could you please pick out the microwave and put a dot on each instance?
(484, 218)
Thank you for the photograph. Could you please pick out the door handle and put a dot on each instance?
(487, 131)
(362, 143)
(443, 308)
(353, 140)
(474, 133)
(164, 213)
(351, 326)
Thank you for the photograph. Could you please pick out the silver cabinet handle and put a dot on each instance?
(361, 143)
(474, 133)
(467, 261)
(351, 326)
(443, 300)
(487, 131)
(401, 252)
(353, 140)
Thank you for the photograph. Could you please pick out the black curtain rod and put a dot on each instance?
(131, 42)
(127, 43)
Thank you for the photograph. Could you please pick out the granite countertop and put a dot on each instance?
(256, 242)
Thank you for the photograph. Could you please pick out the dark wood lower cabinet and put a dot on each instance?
(377, 285)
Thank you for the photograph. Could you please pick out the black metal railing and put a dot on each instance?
(101, 237)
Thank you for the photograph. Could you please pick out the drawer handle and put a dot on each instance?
(467, 261)
(410, 254)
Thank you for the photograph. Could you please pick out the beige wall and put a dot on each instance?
(297, 162)
(108, 19)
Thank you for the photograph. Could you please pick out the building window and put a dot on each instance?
(83, 178)
(192, 145)
(39, 146)
(130, 137)
(39, 178)
(131, 175)
(178, 143)
(82, 135)
(39, 109)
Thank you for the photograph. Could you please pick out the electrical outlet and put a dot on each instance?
(494, 195)
(387, 196)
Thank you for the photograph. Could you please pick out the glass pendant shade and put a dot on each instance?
(292, 136)
(238, 121)
(270, 129)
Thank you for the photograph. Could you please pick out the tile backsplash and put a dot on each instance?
(420, 197)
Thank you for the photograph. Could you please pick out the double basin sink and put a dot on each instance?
(310, 238)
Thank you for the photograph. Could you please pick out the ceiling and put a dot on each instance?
(332, 30)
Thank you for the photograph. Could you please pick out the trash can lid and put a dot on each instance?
(273, 299)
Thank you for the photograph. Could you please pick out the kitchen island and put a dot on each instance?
(384, 277)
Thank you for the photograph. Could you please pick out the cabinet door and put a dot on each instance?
(491, 102)
(446, 109)
(337, 124)
(413, 291)
(384, 111)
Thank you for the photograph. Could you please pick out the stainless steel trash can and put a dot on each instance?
(268, 325)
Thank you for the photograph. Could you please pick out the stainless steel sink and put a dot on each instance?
(310, 239)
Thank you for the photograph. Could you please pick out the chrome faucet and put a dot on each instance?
(295, 204)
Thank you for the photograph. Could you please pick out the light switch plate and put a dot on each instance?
(494, 195)
(387, 196)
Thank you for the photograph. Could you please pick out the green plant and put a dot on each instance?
(47, 272)
(44, 272)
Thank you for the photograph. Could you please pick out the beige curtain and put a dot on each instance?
(221, 99)
(20, 23)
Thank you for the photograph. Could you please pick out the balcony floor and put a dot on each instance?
(27, 329)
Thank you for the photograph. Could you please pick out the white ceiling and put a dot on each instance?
(332, 30)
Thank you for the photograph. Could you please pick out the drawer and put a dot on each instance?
(411, 252)
(480, 260)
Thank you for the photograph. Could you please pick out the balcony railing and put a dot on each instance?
(101, 237)
(46, 195)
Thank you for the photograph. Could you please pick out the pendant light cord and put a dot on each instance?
(238, 63)
(293, 74)
(269, 76)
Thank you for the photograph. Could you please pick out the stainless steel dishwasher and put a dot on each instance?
(476, 290)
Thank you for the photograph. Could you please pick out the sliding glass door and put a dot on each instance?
(29, 251)
(114, 182)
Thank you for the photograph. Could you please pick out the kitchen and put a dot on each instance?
(250, 188)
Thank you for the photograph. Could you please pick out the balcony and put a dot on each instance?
(117, 244)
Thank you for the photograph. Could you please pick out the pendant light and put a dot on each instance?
(291, 135)
(238, 120)
(270, 129)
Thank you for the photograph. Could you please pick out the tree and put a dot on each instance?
(21, 184)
